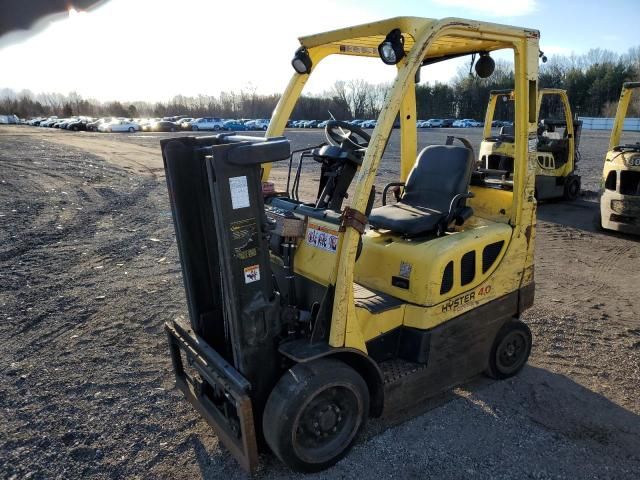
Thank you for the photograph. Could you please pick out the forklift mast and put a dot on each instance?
(217, 203)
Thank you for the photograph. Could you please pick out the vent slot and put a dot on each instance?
(490, 253)
(468, 268)
(447, 279)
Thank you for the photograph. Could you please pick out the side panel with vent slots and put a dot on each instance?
(431, 271)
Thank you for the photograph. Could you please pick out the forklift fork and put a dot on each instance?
(235, 428)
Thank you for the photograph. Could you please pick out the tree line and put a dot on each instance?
(593, 82)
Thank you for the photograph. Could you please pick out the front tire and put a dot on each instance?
(194, 128)
(131, 129)
(572, 188)
(314, 414)
(510, 350)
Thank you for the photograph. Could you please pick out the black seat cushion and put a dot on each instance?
(405, 219)
(440, 173)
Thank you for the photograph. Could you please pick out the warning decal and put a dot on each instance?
(251, 274)
(322, 237)
(239, 192)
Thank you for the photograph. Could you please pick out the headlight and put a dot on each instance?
(391, 50)
(301, 61)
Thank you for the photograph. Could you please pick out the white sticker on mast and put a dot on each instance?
(239, 192)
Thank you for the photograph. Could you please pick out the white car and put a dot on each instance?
(207, 123)
(434, 123)
(259, 124)
(119, 126)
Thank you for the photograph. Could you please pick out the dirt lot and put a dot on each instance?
(89, 272)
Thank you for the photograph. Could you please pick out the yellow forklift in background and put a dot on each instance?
(309, 310)
(620, 185)
(556, 143)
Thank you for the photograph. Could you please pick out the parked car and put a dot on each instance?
(234, 126)
(119, 126)
(185, 123)
(49, 122)
(146, 125)
(78, 125)
(258, 124)
(369, 124)
(164, 126)
(207, 123)
(62, 122)
(447, 122)
(434, 123)
(93, 126)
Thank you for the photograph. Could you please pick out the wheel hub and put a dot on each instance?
(327, 419)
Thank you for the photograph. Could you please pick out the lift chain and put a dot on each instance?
(353, 218)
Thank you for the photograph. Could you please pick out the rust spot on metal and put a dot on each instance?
(528, 232)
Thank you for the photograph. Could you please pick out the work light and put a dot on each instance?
(301, 61)
(485, 65)
(391, 50)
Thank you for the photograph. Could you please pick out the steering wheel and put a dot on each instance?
(338, 132)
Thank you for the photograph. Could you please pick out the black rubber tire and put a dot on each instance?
(299, 396)
(572, 188)
(216, 128)
(131, 129)
(499, 365)
(597, 220)
(194, 128)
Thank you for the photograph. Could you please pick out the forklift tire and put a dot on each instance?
(314, 414)
(510, 350)
(572, 188)
(597, 221)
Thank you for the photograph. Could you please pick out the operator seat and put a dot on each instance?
(434, 194)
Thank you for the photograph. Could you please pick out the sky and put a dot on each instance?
(154, 49)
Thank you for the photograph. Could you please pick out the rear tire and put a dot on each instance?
(510, 350)
(194, 128)
(216, 128)
(572, 188)
(314, 414)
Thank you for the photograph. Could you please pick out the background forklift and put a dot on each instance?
(620, 185)
(308, 315)
(558, 138)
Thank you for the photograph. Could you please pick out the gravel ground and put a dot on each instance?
(89, 272)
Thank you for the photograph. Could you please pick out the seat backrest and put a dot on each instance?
(507, 130)
(440, 173)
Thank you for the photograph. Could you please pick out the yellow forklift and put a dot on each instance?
(556, 143)
(620, 185)
(310, 312)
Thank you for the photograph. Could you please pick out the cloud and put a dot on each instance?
(496, 8)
